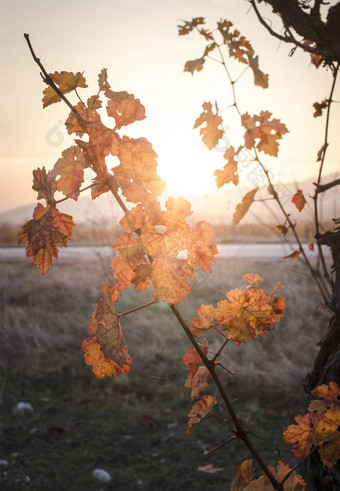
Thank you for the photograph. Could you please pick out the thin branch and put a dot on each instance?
(324, 187)
(315, 197)
(80, 191)
(47, 79)
(209, 452)
(137, 308)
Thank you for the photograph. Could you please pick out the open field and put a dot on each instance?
(134, 426)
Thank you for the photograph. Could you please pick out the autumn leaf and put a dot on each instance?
(311, 246)
(44, 183)
(316, 59)
(137, 172)
(239, 47)
(206, 321)
(253, 279)
(282, 229)
(229, 172)
(260, 78)
(188, 26)
(299, 200)
(105, 347)
(301, 434)
(243, 476)
(293, 255)
(66, 81)
(262, 132)
(329, 392)
(211, 133)
(199, 410)
(162, 235)
(48, 229)
(319, 106)
(193, 65)
(192, 359)
(70, 169)
(79, 124)
(124, 111)
(243, 207)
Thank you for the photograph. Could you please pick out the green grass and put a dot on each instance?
(134, 426)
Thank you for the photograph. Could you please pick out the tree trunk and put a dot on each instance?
(326, 369)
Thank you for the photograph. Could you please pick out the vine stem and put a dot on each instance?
(324, 293)
(210, 364)
(316, 193)
(137, 308)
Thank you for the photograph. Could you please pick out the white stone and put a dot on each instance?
(101, 475)
(23, 408)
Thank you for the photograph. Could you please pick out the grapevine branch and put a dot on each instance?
(324, 293)
(239, 431)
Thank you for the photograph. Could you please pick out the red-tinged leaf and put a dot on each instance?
(188, 26)
(293, 255)
(299, 200)
(125, 111)
(311, 246)
(199, 410)
(66, 81)
(260, 78)
(243, 476)
(262, 132)
(44, 183)
(282, 229)
(229, 172)
(301, 434)
(202, 249)
(105, 347)
(319, 106)
(170, 280)
(212, 132)
(295, 482)
(206, 321)
(243, 207)
(198, 382)
(193, 65)
(192, 359)
(44, 233)
(70, 169)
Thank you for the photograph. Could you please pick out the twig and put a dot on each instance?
(137, 308)
(209, 452)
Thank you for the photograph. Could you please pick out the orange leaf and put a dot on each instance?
(44, 233)
(311, 246)
(70, 169)
(198, 382)
(239, 47)
(66, 81)
(329, 392)
(302, 433)
(253, 279)
(243, 207)
(282, 229)
(243, 476)
(262, 132)
(199, 410)
(293, 255)
(229, 172)
(211, 133)
(207, 314)
(299, 200)
(105, 347)
(44, 183)
(124, 111)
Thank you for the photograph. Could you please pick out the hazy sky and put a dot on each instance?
(138, 43)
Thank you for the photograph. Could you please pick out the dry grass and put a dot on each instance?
(44, 320)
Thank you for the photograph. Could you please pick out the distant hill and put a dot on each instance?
(216, 208)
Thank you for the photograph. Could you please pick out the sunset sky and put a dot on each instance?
(138, 43)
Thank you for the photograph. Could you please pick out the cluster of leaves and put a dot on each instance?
(135, 177)
(319, 428)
